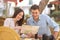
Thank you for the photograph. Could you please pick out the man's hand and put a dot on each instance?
(55, 34)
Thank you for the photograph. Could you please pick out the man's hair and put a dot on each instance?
(34, 7)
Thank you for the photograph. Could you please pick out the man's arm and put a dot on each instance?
(53, 25)
(42, 5)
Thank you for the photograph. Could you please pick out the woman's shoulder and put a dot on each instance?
(8, 19)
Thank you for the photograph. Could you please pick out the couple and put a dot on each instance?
(37, 19)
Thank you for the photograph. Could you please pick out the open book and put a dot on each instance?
(29, 29)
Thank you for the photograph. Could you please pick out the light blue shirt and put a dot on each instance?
(44, 23)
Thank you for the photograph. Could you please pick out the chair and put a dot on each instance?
(8, 34)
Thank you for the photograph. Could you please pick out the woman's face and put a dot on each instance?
(19, 16)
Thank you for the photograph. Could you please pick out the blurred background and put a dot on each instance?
(7, 8)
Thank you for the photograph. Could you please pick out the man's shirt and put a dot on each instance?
(44, 23)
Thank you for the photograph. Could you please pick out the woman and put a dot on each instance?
(16, 21)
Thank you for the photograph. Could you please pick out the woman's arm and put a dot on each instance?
(6, 23)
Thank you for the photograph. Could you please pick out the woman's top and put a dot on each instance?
(9, 22)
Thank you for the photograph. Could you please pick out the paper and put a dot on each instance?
(29, 29)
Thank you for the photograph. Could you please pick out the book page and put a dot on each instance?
(27, 28)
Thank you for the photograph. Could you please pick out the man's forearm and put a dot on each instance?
(55, 34)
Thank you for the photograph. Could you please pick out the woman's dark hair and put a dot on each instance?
(17, 11)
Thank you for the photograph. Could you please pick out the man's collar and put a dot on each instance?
(34, 20)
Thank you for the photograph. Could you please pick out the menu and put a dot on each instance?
(29, 29)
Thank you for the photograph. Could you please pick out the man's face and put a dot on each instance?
(35, 13)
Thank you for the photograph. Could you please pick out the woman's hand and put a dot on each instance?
(18, 28)
(29, 35)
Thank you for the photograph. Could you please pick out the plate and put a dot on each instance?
(8, 34)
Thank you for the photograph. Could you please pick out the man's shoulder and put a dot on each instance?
(44, 15)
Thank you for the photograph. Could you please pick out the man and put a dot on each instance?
(42, 20)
